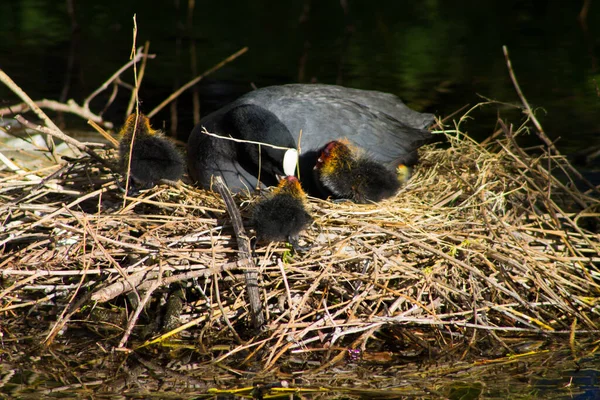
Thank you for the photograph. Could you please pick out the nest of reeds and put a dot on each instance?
(484, 245)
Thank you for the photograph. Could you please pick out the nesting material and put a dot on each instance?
(482, 245)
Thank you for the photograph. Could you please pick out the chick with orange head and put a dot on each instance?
(146, 154)
(282, 215)
(342, 173)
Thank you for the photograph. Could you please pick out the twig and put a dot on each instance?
(113, 142)
(285, 281)
(243, 242)
(139, 55)
(142, 303)
(142, 280)
(18, 170)
(540, 131)
(38, 111)
(223, 312)
(60, 323)
(530, 113)
(196, 80)
(67, 139)
(71, 107)
(204, 131)
(134, 100)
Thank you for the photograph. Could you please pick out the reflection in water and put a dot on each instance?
(546, 375)
(584, 384)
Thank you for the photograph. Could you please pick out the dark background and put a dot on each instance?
(437, 55)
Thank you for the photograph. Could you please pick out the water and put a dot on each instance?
(437, 55)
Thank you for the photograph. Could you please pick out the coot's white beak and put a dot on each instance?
(290, 162)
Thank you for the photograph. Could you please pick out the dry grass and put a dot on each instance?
(481, 247)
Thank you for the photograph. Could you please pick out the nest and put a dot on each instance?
(483, 246)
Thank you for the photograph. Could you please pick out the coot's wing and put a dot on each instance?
(387, 103)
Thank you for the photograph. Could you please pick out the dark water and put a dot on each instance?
(437, 55)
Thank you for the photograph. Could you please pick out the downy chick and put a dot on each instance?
(345, 175)
(153, 157)
(282, 215)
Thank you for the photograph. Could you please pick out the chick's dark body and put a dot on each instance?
(153, 157)
(378, 123)
(281, 215)
(280, 218)
(362, 181)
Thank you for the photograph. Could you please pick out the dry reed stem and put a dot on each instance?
(197, 79)
(71, 106)
(67, 139)
(137, 57)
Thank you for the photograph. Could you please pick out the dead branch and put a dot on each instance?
(251, 272)
(196, 80)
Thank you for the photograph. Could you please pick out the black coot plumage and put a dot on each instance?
(343, 174)
(153, 157)
(378, 123)
(282, 215)
(238, 162)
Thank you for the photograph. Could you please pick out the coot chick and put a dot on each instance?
(378, 123)
(345, 175)
(282, 215)
(153, 156)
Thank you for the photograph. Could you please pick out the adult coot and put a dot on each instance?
(153, 157)
(379, 124)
